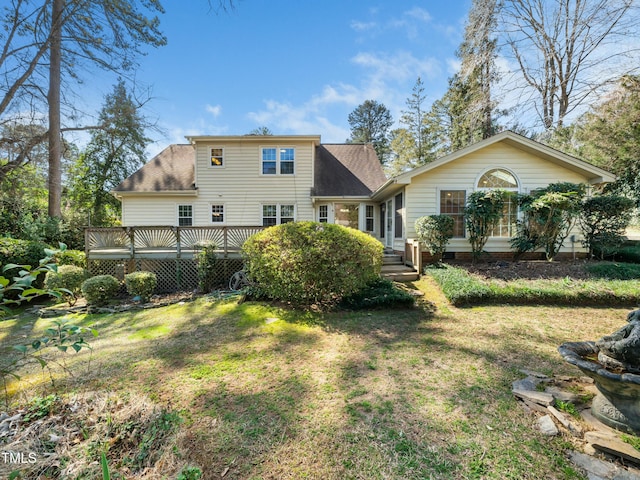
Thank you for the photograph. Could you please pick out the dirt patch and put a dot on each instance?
(528, 270)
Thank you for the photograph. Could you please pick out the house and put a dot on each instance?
(254, 180)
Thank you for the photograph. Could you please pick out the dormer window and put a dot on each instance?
(217, 156)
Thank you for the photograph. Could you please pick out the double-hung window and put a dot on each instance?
(452, 203)
(369, 220)
(323, 213)
(216, 156)
(275, 214)
(185, 215)
(217, 213)
(278, 160)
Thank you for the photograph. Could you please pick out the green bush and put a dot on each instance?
(435, 231)
(71, 257)
(308, 263)
(141, 284)
(628, 253)
(380, 293)
(615, 271)
(21, 252)
(69, 277)
(603, 220)
(207, 262)
(100, 289)
(483, 212)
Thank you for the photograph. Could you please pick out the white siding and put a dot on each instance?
(422, 195)
(241, 187)
(156, 210)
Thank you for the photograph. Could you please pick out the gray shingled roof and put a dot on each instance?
(169, 171)
(351, 170)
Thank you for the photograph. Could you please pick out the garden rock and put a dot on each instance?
(547, 427)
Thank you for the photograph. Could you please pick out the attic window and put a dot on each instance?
(217, 157)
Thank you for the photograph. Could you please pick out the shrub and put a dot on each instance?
(141, 284)
(100, 289)
(548, 216)
(21, 252)
(207, 263)
(380, 293)
(603, 220)
(628, 253)
(308, 263)
(483, 211)
(435, 231)
(68, 277)
(615, 271)
(71, 257)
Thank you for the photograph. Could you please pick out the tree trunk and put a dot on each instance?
(53, 98)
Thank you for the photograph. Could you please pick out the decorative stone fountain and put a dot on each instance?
(614, 364)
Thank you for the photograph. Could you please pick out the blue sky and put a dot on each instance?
(297, 67)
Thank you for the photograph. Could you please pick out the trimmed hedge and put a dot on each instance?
(71, 257)
(463, 289)
(307, 263)
(141, 284)
(100, 289)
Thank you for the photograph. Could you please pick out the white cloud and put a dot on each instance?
(214, 110)
(419, 14)
(362, 26)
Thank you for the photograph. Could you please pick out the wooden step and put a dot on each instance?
(391, 259)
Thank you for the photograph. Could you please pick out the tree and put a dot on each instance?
(114, 152)
(603, 221)
(609, 136)
(53, 40)
(412, 145)
(482, 213)
(261, 131)
(469, 98)
(567, 50)
(370, 123)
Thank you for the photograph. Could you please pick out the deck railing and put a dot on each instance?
(162, 241)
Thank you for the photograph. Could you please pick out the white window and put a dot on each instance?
(452, 203)
(278, 160)
(216, 156)
(504, 180)
(217, 213)
(347, 214)
(323, 213)
(185, 215)
(369, 220)
(276, 214)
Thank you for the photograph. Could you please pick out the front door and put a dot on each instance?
(388, 234)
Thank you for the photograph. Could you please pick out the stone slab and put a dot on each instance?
(534, 396)
(613, 445)
(592, 465)
(574, 428)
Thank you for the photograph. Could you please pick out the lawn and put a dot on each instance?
(264, 392)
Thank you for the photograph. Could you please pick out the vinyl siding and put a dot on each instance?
(241, 187)
(422, 194)
(153, 211)
(238, 185)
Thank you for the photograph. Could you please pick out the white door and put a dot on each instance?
(388, 234)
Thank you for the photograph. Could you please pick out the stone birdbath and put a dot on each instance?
(613, 362)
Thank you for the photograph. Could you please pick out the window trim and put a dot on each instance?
(224, 213)
(278, 212)
(511, 228)
(178, 216)
(278, 160)
(323, 218)
(461, 215)
(210, 154)
(369, 218)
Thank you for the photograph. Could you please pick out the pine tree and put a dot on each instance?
(370, 123)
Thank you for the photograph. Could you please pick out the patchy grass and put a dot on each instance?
(615, 288)
(386, 394)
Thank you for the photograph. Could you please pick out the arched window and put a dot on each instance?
(505, 180)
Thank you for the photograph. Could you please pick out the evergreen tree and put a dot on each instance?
(114, 152)
(370, 123)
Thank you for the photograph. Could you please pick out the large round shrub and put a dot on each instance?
(308, 263)
(141, 284)
(67, 276)
(100, 289)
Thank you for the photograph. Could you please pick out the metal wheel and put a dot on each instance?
(238, 280)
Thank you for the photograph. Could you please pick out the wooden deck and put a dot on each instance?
(163, 242)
